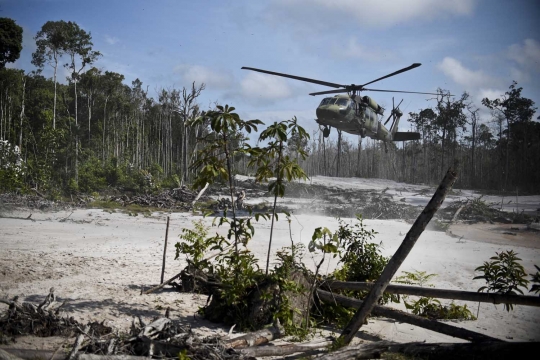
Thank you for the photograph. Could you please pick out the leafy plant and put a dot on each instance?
(503, 275)
(195, 245)
(289, 262)
(419, 278)
(427, 306)
(273, 163)
(536, 280)
(215, 158)
(361, 260)
(433, 309)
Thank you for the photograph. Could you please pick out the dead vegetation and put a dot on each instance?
(476, 211)
(163, 337)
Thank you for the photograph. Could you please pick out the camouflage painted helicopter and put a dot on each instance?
(355, 114)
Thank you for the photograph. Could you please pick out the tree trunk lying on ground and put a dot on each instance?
(283, 350)
(256, 338)
(440, 293)
(401, 316)
(439, 351)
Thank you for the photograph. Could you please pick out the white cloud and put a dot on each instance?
(202, 74)
(355, 50)
(461, 75)
(370, 13)
(111, 39)
(527, 54)
(518, 75)
(490, 94)
(264, 87)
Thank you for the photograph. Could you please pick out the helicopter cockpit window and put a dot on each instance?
(342, 102)
(327, 101)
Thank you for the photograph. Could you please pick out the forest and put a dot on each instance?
(92, 132)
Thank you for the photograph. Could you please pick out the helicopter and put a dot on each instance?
(355, 114)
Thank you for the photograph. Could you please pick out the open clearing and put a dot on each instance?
(99, 260)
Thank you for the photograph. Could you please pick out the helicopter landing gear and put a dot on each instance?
(326, 131)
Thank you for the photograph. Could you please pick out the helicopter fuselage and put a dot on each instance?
(353, 114)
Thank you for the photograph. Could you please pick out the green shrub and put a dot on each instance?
(361, 261)
(427, 306)
(536, 281)
(503, 275)
(433, 309)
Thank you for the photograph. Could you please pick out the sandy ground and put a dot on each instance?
(99, 261)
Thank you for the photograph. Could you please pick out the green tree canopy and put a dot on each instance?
(10, 41)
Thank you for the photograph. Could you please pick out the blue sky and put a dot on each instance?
(478, 46)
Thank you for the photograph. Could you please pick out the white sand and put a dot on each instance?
(98, 261)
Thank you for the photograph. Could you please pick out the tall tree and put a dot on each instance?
(189, 109)
(515, 109)
(50, 41)
(449, 118)
(10, 41)
(78, 46)
(90, 85)
(474, 127)
(110, 85)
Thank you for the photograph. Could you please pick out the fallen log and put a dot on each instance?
(282, 350)
(30, 354)
(401, 316)
(256, 338)
(111, 357)
(4, 355)
(399, 256)
(439, 351)
(441, 293)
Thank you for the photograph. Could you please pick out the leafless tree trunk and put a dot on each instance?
(21, 115)
(401, 254)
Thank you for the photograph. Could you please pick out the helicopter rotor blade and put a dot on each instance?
(415, 65)
(401, 91)
(329, 92)
(389, 116)
(325, 83)
(392, 112)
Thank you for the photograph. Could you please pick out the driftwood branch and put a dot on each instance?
(256, 338)
(401, 316)
(155, 288)
(29, 217)
(199, 194)
(78, 343)
(441, 293)
(153, 329)
(397, 259)
(30, 354)
(111, 357)
(439, 351)
(283, 350)
(38, 193)
(4, 355)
